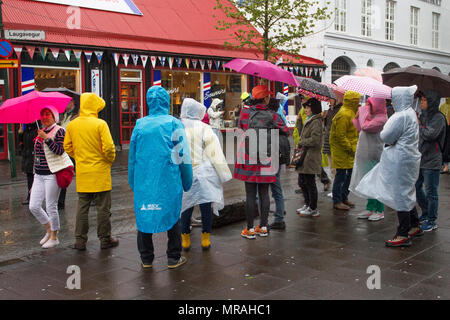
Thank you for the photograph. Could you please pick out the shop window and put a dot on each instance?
(228, 87)
(56, 78)
(180, 85)
(130, 109)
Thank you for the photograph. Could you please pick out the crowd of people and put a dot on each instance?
(389, 158)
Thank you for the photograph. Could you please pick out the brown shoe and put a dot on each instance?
(79, 246)
(341, 206)
(110, 243)
(350, 204)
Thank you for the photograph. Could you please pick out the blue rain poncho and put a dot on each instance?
(208, 161)
(159, 166)
(392, 181)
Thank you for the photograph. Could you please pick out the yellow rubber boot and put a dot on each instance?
(206, 242)
(186, 241)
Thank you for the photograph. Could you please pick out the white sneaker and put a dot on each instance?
(306, 212)
(50, 244)
(302, 209)
(330, 195)
(315, 213)
(365, 214)
(376, 216)
(45, 239)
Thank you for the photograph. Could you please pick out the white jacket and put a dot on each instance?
(215, 116)
(208, 161)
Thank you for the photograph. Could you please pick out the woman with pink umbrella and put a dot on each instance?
(50, 158)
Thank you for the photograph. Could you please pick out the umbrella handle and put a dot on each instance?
(37, 124)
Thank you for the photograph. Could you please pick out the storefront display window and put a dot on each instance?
(56, 78)
(228, 87)
(180, 85)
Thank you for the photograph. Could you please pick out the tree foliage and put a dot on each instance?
(282, 24)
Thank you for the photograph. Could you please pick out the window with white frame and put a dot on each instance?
(366, 18)
(340, 23)
(435, 30)
(414, 26)
(390, 20)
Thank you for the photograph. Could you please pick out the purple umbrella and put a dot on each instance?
(263, 69)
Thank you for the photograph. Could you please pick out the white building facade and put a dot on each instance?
(383, 34)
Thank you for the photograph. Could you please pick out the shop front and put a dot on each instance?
(3, 132)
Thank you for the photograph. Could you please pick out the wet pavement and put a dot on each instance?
(314, 258)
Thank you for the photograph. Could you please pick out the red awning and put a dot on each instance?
(170, 26)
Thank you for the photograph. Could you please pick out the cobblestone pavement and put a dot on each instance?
(322, 258)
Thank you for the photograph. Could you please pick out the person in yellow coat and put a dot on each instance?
(343, 142)
(88, 140)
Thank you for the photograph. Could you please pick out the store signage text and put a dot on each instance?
(123, 6)
(215, 94)
(174, 90)
(25, 34)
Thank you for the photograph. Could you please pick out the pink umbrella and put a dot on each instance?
(366, 86)
(370, 73)
(338, 91)
(262, 69)
(27, 108)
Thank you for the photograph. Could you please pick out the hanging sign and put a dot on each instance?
(95, 81)
(123, 6)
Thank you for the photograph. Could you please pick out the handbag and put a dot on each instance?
(299, 156)
(64, 177)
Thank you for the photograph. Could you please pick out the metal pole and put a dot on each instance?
(4, 75)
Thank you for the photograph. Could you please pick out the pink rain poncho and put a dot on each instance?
(369, 124)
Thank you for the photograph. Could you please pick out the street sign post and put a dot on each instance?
(10, 63)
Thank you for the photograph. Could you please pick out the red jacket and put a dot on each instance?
(255, 172)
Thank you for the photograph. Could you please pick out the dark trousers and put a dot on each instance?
(341, 185)
(206, 211)
(406, 221)
(30, 180)
(62, 198)
(309, 189)
(250, 208)
(103, 204)
(145, 244)
(324, 177)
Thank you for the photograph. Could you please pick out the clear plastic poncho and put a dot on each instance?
(209, 165)
(392, 181)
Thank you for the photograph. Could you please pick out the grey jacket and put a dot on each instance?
(432, 133)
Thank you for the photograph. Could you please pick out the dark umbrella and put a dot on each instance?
(315, 89)
(75, 96)
(424, 79)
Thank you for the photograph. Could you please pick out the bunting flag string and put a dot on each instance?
(210, 64)
(162, 60)
(31, 51)
(88, 55)
(202, 63)
(77, 54)
(188, 61)
(125, 57)
(116, 57)
(43, 52)
(67, 53)
(153, 60)
(170, 62)
(99, 55)
(55, 52)
(178, 61)
(144, 59)
(217, 64)
(18, 51)
(194, 63)
(135, 59)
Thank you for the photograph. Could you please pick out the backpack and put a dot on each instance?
(445, 141)
(261, 121)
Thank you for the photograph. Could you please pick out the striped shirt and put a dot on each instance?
(55, 145)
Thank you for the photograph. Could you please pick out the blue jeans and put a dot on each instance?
(206, 211)
(277, 194)
(341, 185)
(428, 199)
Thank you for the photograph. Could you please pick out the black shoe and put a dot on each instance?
(61, 206)
(278, 226)
(172, 263)
(79, 246)
(110, 243)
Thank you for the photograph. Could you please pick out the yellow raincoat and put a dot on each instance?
(296, 134)
(343, 134)
(445, 109)
(88, 140)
